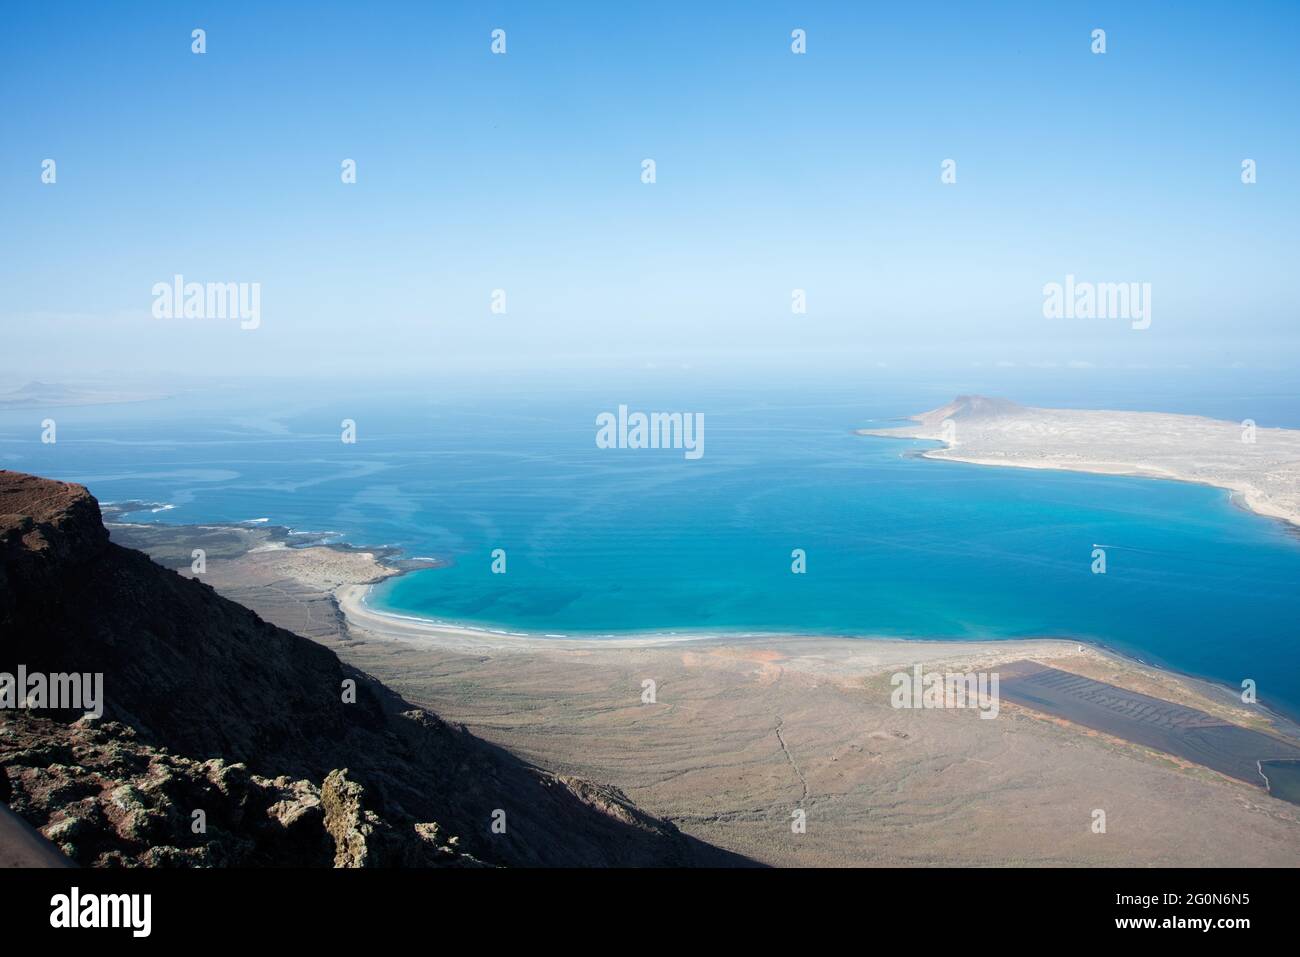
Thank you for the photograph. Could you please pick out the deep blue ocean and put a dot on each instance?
(603, 541)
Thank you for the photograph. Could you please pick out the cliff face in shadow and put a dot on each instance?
(226, 740)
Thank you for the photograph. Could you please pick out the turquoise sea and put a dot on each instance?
(604, 541)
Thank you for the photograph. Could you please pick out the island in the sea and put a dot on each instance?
(1260, 466)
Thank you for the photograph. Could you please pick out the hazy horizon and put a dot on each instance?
(775, 172)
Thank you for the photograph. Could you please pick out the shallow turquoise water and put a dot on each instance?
(601, 541)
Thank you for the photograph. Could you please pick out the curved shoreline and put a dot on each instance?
(1245, 498)
(393, 626)
(352, 600)
(380, 563)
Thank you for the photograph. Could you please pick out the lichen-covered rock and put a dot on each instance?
(349, 824)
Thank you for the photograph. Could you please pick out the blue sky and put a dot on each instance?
(522, 172)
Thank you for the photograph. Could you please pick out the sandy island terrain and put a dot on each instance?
(1263, 472)
(743, 732)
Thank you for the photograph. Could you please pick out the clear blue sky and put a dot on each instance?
(522, 172)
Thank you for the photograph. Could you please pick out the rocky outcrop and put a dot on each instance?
(282, 752)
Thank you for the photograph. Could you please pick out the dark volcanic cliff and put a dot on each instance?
(209, 708)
